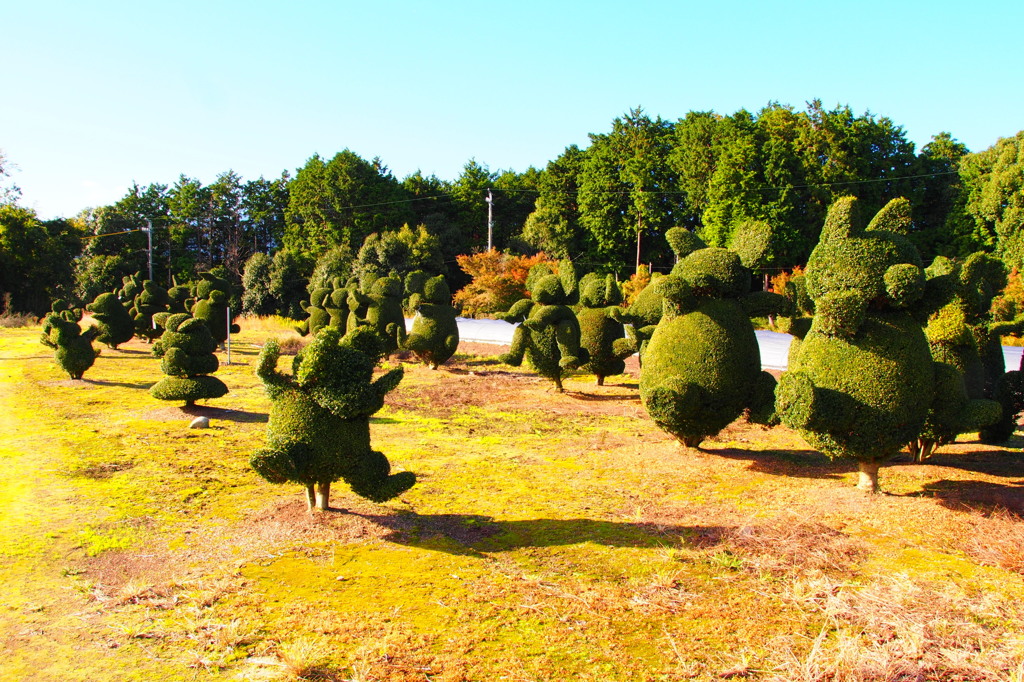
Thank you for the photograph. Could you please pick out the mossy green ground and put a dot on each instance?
(550, 537)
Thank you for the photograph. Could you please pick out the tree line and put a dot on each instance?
(606, 206)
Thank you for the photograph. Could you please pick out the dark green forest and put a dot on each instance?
(605, 206)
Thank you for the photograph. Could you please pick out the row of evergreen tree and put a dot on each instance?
(606, 206)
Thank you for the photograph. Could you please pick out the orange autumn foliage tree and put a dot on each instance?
(779, 281)
(632, 287)
(499, 280)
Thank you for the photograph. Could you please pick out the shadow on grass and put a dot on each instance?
(794, 463)
(474, 534)
(976, 496)
(123, 384)
(224, 414)
(991, 462)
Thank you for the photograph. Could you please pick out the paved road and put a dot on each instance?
(774, 346)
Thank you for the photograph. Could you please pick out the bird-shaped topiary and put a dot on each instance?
(319, 426)
(73, 346)
(435, 333)
(861, 381)
(549, 336)
(187, 349)
(702, 365)
(116, 325)
(601, 332)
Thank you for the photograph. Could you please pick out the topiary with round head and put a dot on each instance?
(150, 300)
(384, 312)
(702, 365)
(317, 309)
(435, 334)
(319, 426)
(549, 336)
(116, 325)
(964, 335)
(187, 349)
(211, 305)
(601, 332)
(73, 346)
(861, 380)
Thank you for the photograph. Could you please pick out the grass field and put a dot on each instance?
(550, 537)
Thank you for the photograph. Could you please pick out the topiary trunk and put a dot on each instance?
(867, 479)
(323, 496)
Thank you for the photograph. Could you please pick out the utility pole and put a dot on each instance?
(149, 238)
(639, 229)
(490, 219)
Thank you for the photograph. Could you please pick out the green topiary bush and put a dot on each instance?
(413, 286)
(319, 427)
(150, 300)
(336, 306)
(116, 325)
(384, 313)
(861, 381)
(187, 349)
(549, 336)
(73, 347)
(956, 332)
(702, 365)
(601, 332)
(316, 308)
(435, 334)
(212, 294)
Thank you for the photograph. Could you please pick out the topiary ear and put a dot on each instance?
(537, 272)
(896, 216)
(683, 242)
(753, 242)
(843, 219)
(569, 278)
(612, 291)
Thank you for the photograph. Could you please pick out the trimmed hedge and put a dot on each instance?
(601, 332)
(116, 325)
(211, 306)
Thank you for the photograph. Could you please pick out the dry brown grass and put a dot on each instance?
(549, 537)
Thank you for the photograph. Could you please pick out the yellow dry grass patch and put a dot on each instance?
(550, 536)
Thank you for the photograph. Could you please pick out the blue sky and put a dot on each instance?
(98, 95)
